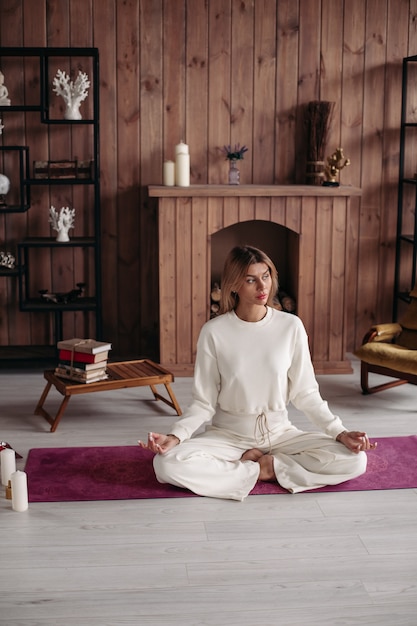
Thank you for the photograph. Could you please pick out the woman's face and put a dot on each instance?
(256, 285)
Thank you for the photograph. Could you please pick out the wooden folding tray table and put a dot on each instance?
(120, 376)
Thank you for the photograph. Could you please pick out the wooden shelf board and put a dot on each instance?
(206, 191)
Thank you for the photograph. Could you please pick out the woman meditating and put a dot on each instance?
(252, 361)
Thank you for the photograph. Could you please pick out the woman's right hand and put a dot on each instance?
(159, 443)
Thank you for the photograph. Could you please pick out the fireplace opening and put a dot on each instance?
(280, 243)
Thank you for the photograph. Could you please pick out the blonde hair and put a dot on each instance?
(234, 273)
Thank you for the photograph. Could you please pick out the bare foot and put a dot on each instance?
(251, 455)
(267, 473)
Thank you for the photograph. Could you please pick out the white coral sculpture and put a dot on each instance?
(62, 221)
(7, 260)
(73, 93)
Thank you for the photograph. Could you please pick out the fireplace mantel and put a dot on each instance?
(189, 216)
(251, 191)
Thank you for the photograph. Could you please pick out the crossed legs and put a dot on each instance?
(211, 464)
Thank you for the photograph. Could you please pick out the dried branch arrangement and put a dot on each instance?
(317, 120)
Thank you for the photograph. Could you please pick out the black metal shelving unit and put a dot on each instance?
(406, 240)
(34, 302)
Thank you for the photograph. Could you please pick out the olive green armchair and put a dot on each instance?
(391, 350)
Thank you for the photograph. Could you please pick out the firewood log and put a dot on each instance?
(215, 293)
(288, 303)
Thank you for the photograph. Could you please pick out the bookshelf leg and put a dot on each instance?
(58, 326)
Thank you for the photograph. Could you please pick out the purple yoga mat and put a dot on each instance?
(126, 473)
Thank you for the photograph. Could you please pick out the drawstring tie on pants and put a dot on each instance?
(261, 425)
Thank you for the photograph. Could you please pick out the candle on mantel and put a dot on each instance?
(8, 465)
(169, 173)
(182, 165)
(182, 148)
(19, 491)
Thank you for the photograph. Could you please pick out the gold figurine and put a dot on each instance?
(336, 162)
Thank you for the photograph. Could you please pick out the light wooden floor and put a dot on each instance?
(288, 560)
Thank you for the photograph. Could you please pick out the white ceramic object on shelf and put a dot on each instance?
(72, 92)
(62, 222)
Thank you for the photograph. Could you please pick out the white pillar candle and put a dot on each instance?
(8, 465)
(182, 165)
(19, 491)
(182, 170)
(169, 173)
(182, 148)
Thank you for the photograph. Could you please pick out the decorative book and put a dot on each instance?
(63, 169)
(82, 366)
(82, 357)
(87, 346)
(70, 374)
(79, 376)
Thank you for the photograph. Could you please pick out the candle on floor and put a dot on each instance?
(8, 465)
(182, 165)
(19, 491)
(169, 173)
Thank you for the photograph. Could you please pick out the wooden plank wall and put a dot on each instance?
(213, 72)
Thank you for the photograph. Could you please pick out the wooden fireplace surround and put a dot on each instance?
(189, 216)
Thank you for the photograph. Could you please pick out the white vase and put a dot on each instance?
(72, 111)
(62, 236)
(234, 174)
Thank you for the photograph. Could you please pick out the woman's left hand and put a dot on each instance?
(356, 441)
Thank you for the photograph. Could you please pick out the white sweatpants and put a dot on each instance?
(209, 464)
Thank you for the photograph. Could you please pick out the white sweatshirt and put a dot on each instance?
(245, 369)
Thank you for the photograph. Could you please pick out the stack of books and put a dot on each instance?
(82, 360)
